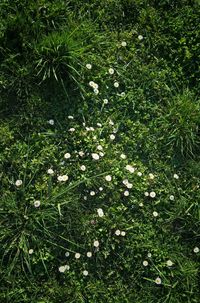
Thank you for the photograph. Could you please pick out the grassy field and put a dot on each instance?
(99, 151)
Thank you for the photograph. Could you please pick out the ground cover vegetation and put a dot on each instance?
(99, 151)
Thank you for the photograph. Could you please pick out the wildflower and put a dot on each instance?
(50, 171)
(111, 71)
(99, 124)
(130, 168)
(155, 214)
(81, 153)
(171, 197)
(88, 66)
(100, 188)
(196, 250)
(89, 254)
(125, 182)
(67, 156)
(140, 37)
(169, 263)
(149, 255)
(65, 178)
(30, 251)
(129, 185)
(99, 147)
(108, 178)
(96, 91)
(77, 256)
(123, 156)
(60, 178)
(176, 176)
(112, 137)
(96, 243)
(117, 232)
(85, 198)
(63, 268)
(72, 129)
(51, 122)
(37, 203)
(123, 233)
(126, 193)
(67, 254)
(91, 83)
(123, 44)
(70, 117)
(92, 193)
(95, 86)
(95, 156)
(158, 281)
(85, 273)
(145, 263)
(141, 204)
(139, 174)
(146, 194)
(152, 194)
(18, 183)
(151, 176)
(116, 84)
(83, 168)
(105, 101)
(123, 94)
(100, 212)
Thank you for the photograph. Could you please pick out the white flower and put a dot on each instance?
(129, 185)
(111, 71)
(149, 255)
(18, 183)
(96, 91)
(83, 167)
(67, 254)
(37, 203)
(123, 44)
(176, 176)
(196, 250)
(116, 84)
(158, 281)
(88, 66)
(72, 129)
(171, 197)
(123, 233)
(139, 174)
(117, 232)
(85, 273)
(108, 178)
(99, 147)
(81, 153)
(155, 214)
(50, 171)
(96, 243)
(95, 156)
(100, 212)
(105, 101)
(85, 198)
(169, 263)
(60, 178)
(126, 193)
(151, 176)
(63, 268)
(67, 156)
(99, 124)
(123, 94)
(125, 182)
(123, 156)
(100, 188)
(146, 194)
(51, 122)
(112, 137)
(101, 154)
(95, 86)
(70, 117)
(92, 193)
(141, 204)
(130, 168)
(65, 178)
(140, 37)
(77, 256)
(91, 83)
(30, 251)
(152, 194)
(145, 263)
(89, 254)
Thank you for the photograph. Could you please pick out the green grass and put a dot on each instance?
(130, 190)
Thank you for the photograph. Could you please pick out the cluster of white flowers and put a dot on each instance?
(95, 87)
(63, 268)
(130, 168)
(127, 183)
(100, 212)
(119, 232)
(62, 178)
(95, 156)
